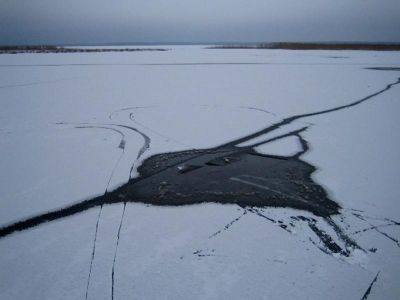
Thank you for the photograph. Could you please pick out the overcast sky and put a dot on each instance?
(197, 21)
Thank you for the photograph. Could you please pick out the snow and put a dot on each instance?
(48, 262)
(365, 145)
(287, 147)
(188, 98)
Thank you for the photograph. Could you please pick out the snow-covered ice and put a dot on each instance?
(66, 135)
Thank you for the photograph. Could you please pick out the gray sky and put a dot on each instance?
(197, 21)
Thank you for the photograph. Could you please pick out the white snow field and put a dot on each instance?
(64, 138)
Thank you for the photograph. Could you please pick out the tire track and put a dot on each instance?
(93, 252)
(115, 253)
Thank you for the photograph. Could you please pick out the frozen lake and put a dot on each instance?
(201, 173)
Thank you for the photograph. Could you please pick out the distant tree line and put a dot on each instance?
(313, 46)
(58, 49)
